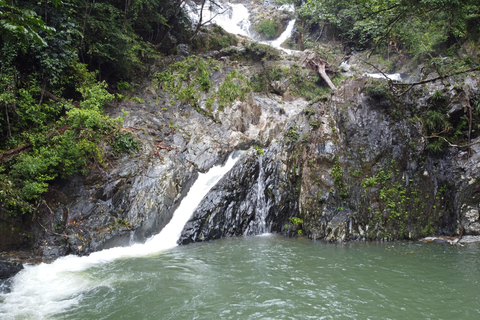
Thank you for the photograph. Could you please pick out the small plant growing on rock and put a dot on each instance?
(235, 87)
(268, 28)
(259, 150)
(124, 142)
(292, 134)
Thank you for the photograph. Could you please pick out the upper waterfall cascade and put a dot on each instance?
(235, 18)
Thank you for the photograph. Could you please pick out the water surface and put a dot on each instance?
(271, 277)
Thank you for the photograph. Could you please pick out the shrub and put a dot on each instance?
(268, 28)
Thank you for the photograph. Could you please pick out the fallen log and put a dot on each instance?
(318, 64)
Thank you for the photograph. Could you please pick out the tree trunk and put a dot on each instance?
(320, 65)
(323, 74)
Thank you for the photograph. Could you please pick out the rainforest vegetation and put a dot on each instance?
(62, 61)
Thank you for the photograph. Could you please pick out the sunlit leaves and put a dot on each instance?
(20, 24)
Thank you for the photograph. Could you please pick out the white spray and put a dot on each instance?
(40, 291)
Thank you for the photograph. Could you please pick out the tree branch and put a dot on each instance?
(411, 85)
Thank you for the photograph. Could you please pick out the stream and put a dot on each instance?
(266, 277)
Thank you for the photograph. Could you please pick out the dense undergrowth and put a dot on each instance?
(60, 62)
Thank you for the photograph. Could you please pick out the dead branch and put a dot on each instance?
(160, 146)
(380, 71)
(411, 85)
(451, 144)
(318, 64)
(12, 153)
(200, 19)
(52, 96)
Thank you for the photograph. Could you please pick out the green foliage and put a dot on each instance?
(337, 175)
(301, 82)
(297, 223)
(51, 106)
(261, 81)
(296, 220)
(235, 87)
(259, 51)
(259, 150)
(185, 79)
(124, 142)
(60, 145)
(415, 26)
(314, 123)
(379, 91)
(292, 134)
(268, 28)
(123, 85)
(214, 39)
(309, 112)
(21, 24)
(370, 182)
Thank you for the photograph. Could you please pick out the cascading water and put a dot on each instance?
(40, 291)
(232, 17)
(261, 211)
(283, 37)
(258, 226)
(235, 18)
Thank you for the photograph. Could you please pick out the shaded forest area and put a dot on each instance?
(60, 63)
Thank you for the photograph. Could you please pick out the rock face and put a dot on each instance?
(347, 169)
(354, 165)
(137, 196)
(366, 173)
(248, 201)
(9, 269)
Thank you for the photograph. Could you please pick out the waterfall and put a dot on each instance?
(235, 18)
(283, 37)
(232, 17)
(261, 211)
(259, 224)
(40, 291)
(393, 76)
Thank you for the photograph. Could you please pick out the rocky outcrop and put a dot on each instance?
(250, 200)
(9, 269)
(355, 167)
(136, 195)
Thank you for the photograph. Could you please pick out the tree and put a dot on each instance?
(21, 24)
(414, 26)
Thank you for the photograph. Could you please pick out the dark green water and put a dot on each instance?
(272, 277)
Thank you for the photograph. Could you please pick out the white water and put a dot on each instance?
(40, 291)
(236, 20)
(261, 210)
(283, 37)
(393, 76)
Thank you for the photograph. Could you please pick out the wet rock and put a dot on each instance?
(247, 201)
(280, 87)
(9, 269)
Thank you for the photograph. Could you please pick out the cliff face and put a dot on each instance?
(354, 165)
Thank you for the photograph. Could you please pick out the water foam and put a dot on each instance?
(232, 17)
(40, 291)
